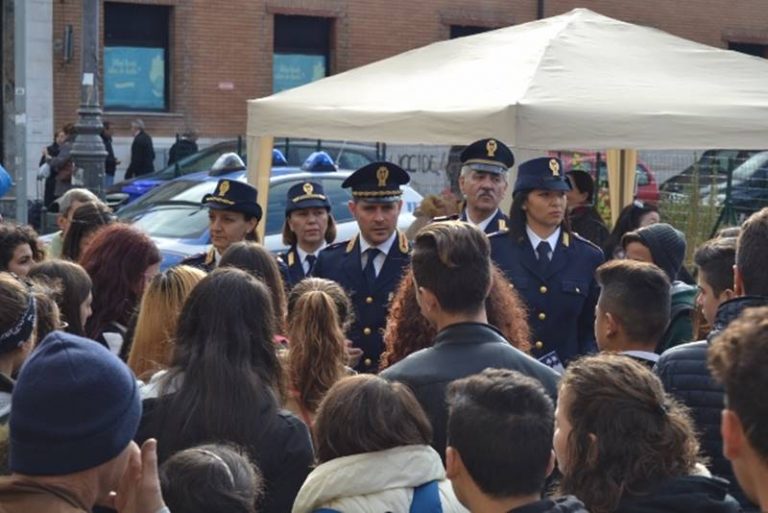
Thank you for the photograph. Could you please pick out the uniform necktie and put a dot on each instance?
(543, 250)
(310, 259)
(370, 271)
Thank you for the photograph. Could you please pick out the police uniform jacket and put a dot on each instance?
(341, 263)
(561, 300)
(499, 222)
(205, 261)
(292, 267)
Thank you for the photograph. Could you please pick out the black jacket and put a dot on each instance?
(684, 372)
(283, 452)
(142, 156)
(461, 350)
(110, 163)
(687, 494)
(567, 504)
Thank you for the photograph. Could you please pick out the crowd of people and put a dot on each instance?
(491, 363)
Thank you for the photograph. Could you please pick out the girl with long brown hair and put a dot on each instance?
(317, 356)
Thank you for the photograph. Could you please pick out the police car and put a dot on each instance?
(172, 215)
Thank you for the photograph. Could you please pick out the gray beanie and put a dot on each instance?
(667, 247)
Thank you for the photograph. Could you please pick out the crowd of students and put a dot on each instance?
(128, 388)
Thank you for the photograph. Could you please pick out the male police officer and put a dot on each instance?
(233, 215)
(308, 227)
(483, 183)
(370, 265)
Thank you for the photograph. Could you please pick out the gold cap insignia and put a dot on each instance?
(224, 188)
(554, 166)
(382, 174)
(308, 189)
(491, 148)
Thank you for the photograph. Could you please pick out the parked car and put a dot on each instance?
(712, 167)
(646, 188)
(295, 151)
(172, 214)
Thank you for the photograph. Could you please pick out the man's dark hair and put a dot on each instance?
(715, 259)
(501, 422)
(738, 359)
(452, 260)
(638, 294)
(751, 251)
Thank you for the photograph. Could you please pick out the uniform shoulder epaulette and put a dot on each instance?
(335, 246)
(501, 231)
(578, 237)
(453, 217)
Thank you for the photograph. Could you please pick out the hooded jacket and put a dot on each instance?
(683, 495)
(375, 482)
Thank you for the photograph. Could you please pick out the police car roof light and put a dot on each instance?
(319, 162)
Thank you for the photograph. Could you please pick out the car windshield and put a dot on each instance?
(174, 221)
(200, 161)
(748, 168)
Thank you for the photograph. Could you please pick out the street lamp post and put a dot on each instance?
(88, 148)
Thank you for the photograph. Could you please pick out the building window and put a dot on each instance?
(467, 30)
(302, 49)
(758, 50)
(136, 56)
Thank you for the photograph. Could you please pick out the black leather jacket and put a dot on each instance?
(461, 350)
(684, 372)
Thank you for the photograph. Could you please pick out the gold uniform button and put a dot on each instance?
(543, 289)
(367, 362)
(542, 316)
(539, 345)
(369, 300)
(366, 331)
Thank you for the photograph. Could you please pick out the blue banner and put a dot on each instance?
(292, 70)
(134, 78)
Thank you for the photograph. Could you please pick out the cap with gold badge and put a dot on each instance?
(377, 182)
(488, 156)
(235, 196)
(543, 173)
(306, 195)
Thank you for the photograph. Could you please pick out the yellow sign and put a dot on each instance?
(382, 174)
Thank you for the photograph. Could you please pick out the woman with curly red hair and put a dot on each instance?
(408, 331)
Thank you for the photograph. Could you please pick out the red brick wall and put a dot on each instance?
(214, 41)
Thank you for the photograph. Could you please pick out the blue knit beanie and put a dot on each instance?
(75, 406)
(667, 247)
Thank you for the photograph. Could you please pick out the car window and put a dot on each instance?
(276, 206)
(175, 222)
(641, 176)
(201, 161)
(748, 168)
(352, 160)
(339, 198)
(167, 192)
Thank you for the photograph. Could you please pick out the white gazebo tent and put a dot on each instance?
(578, 80)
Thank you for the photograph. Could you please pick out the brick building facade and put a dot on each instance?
(220, 52)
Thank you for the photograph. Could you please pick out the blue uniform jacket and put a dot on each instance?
(500, 222)
(341, 262)
(561, 302)
(292, 268)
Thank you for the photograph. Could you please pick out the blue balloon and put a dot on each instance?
(5, 181)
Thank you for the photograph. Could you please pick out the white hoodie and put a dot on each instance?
(375, 482)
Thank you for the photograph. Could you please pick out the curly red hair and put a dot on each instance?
(408, 331)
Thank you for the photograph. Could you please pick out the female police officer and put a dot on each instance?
(308, 228)
(552, 268)
(233, 215)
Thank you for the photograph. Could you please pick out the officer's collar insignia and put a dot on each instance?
(291, 259)
(491, 148)
(308, 189)
(351, 244)
(554, 166)
(566, 239)
(381, 175)
(502, 225)
(210, 257)
(223, 188)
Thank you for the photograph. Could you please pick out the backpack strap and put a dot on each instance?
(426, 499)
